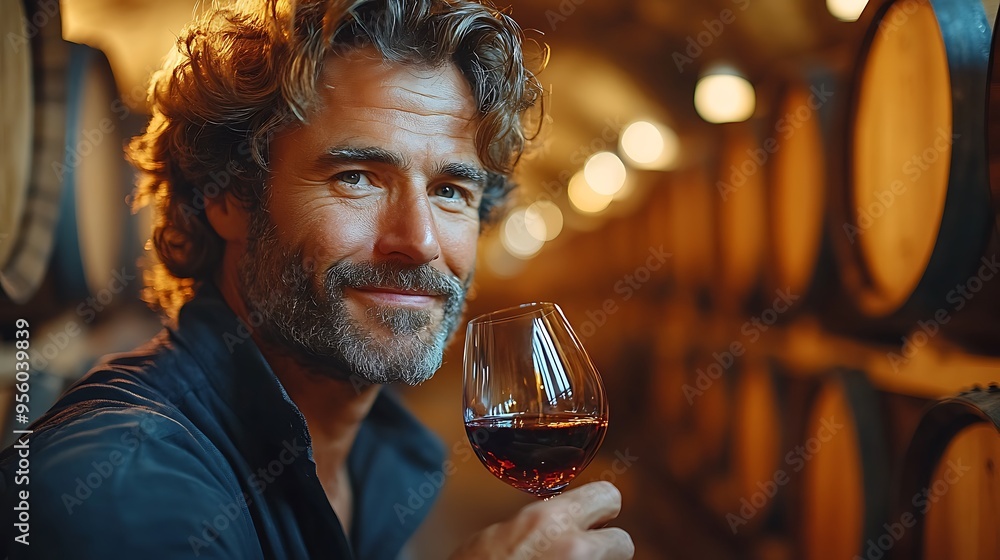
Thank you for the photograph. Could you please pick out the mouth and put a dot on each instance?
(394, 296)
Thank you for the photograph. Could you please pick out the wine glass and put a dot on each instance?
(535, 409)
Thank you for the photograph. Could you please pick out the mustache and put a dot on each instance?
(422, 278)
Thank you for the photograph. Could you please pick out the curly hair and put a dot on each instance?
(244, 72)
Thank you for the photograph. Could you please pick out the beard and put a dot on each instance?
(314, 326)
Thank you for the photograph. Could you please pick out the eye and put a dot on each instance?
(447, 191)
(351, 177)
(450, 192)
(354, 178)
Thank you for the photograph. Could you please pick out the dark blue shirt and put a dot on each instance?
(189, 447)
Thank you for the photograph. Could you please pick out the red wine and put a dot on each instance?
(537, 454)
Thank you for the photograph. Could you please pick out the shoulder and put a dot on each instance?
(122, 481)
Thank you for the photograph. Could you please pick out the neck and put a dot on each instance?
(333, 407)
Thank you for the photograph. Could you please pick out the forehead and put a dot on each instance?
(360, 88)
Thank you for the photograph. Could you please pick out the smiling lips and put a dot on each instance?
(396, 296)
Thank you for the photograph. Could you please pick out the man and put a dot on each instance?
(320, 174)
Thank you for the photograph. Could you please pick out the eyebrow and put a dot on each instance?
(372, 154)
(471, 173)
(338, 156)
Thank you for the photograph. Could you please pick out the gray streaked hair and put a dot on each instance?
(246, 71)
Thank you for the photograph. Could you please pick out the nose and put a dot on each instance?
(409, 231)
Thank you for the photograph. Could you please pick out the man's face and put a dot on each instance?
(360, 264)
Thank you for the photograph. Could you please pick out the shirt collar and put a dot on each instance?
(392, 455)
(221, 342)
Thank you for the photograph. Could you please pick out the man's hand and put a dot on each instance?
(566, 527)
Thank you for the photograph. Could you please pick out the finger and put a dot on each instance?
(591, 504)
(611, 543)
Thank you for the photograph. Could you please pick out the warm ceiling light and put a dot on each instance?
(584, 198)
(605, 173)
(515, 237)
(543, 220)
(498, 259)
(721, 98)
(626, 191)
(650, 146)
(846, 10)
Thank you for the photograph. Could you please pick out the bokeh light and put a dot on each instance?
(724, 97)
(584, 198)
(543, 220)
(846, 10)
(649, 145)
(605, 173)
(516, 238)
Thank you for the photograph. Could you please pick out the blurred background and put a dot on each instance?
(770, 221)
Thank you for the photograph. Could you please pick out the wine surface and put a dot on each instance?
(536, 454)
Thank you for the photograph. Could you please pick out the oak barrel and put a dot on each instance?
(993, 124)
(710, 409)
(696, 439)
(739, 199)
(750, 491)
(799, 179)
(692, 231)
(671, 397)
(29, 245)
(658, 231)
(914, 217)
(668, 406)
(92, 235)
(948, 500)
(842, 464)
(18, 108)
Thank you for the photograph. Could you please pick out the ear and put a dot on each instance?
(228, 217)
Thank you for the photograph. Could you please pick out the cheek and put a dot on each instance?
(331, 237)
(458, 247)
